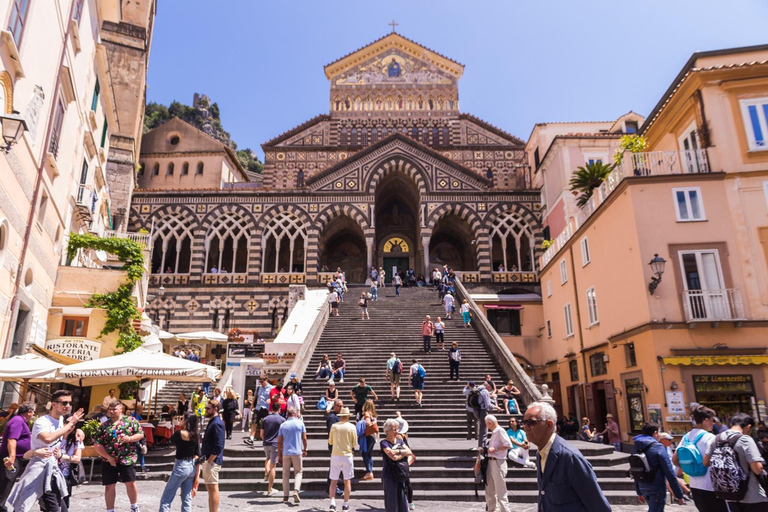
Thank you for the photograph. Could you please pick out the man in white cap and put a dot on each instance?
(343, 439)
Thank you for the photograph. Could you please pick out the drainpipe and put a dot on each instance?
(39, 181)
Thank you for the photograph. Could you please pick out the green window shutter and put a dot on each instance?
(95, 102)
(104, 133)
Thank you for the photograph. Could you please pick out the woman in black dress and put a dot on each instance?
(229, 410)
(182, 405)
(393, 453)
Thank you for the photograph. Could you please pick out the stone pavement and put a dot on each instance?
(90, 498)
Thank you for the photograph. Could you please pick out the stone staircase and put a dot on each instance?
(437, 430)
(169, 395)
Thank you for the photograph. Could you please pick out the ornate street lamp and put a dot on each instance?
(657, 266)
(13, 125)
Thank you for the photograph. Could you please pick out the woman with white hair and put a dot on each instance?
(397, 458)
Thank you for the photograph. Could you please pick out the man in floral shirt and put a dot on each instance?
(115, 442)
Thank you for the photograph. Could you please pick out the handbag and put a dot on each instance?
(322, 404)
(399, 469)
(76, 474)
(371, 429)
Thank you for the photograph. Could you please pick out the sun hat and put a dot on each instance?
(665, 435)
(344, 412)
(403, 425)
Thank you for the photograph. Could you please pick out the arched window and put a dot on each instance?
(169, 172)
(358, 104)
(384, 132)
(185, 169)
(344, 141)
(435, 136)
(226, 244)
(512, 243)
(156, 169)
(415, 133)
(353, 137)
(172, 244)
(200, 168)
(374, 135)
(446, 138)
(364, 136)
(284, 244)
(337, 103)
(141, 169)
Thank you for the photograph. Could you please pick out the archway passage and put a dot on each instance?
(452, 244)
(397, 207)
(343, 245)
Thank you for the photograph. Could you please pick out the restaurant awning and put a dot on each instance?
(53, 356)
(502, 306)
(715, 360)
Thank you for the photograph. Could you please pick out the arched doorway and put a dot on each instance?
(397, 207)
(342, 244)
(453, 244)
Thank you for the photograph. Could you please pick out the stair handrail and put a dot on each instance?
(304, 355)
(531, 392)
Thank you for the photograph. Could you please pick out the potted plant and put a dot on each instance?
(89, 429)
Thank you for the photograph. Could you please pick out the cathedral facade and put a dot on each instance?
(394, 176)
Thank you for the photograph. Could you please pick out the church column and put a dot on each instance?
(425, 244)
(369, 247)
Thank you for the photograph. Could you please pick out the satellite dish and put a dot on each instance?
(101, 255)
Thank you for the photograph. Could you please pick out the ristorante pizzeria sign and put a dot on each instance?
(131, 372)
(82, 350)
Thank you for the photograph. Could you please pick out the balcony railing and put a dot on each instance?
(653, 163)
(136, 237)
(84, 196)
(713, 305)
(515, 277)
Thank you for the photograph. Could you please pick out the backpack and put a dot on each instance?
(322, 404)
(473, 400)
(689, 456)
(639, 467)
(397, 367)
(422, 372)
(729, 480)
(480, 476)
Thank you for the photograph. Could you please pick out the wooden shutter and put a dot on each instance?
(589, 390)
(610, 401)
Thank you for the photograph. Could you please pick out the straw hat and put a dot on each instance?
(344, 412)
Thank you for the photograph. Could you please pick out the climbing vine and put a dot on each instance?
(119, 305)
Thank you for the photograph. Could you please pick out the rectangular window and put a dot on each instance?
(593, 161)
(563, 273)
(74, 326)
(18, 20)
(549, 288)
(568, 320)
(592, 306)
(104, 133)
(536, 159)
(95, 100)
(505, 321)
(78, 11)
(549, 329)
(584, 252)
(43, 208)
(631, 357)
(755, 115)
(573, 366)
(689, 206)
(58, 121)
(597, 364)
(630, 127)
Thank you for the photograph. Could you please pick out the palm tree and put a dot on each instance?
(587, 178)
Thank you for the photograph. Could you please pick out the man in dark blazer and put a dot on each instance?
(566, 480)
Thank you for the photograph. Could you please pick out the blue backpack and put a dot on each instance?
(322, 404)
(422, 372)
(689, 457)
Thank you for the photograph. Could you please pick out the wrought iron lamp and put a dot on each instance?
(657, 266)
(13, 125)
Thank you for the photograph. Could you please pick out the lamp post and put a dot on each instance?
(13, 125)
(657, 267)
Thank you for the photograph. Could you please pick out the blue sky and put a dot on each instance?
(526, 62)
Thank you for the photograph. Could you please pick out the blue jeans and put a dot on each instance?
(338, 375)
(140, 458)
(183, 475)
(368, 454)
(397, 290)
(655, 500)
(374, 293)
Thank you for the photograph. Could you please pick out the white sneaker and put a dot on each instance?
(271, 492)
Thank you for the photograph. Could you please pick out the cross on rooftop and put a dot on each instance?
(393, 25)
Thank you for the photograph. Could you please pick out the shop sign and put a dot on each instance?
(715, 360)
(722, 383)
(237, 350)
(654, 413)
(252, 370)
(82, 350)
(230, 364)
(675, 402)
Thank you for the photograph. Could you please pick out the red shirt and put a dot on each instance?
(427, 328)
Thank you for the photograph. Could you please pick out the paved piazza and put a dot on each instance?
(90, 498)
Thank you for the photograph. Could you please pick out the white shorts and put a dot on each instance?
(341, 464)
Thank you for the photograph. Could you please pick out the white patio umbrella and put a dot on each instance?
(28, 367)
(165, 335)
(152, 343)
(138, 364)
(202, 335)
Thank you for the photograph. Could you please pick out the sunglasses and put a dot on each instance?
(65, 403)
(531, 423)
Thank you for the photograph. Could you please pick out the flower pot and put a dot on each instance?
(90, 451)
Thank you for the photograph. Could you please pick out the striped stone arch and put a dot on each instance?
(463, 211)
(271, 214)
(396, 163)
(136, 221)
(230, 219)
(525, 214)
(336, 210)
(177, 218)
